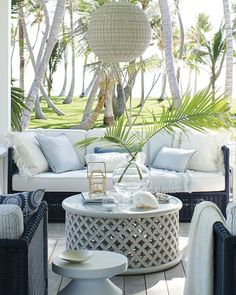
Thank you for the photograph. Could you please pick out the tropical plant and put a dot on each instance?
(197, 112)
(54, 60)
(17, 105)
(211, 54)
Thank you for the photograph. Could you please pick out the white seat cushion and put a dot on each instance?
(190, 181)
(71, 181)
(76, 181)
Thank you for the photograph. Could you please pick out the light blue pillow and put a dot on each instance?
(59, 152)
(173, 159)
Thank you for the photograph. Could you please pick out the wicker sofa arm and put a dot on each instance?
(225, 151)
(23, 262)
(225, 261)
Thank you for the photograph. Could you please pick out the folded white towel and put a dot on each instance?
(200, 264)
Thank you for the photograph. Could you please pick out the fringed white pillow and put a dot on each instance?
(27, 153)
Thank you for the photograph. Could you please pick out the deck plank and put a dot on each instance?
(156, 284)
(175, 278)
(54, 280)
(135, 285)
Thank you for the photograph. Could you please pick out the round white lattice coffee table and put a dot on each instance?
(91, 276)
(148, 238)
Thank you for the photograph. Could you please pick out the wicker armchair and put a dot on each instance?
(23, 262)
(225, 261)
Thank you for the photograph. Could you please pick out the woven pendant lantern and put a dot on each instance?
(119, 32)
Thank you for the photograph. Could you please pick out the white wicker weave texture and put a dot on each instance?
(119, 32)
(149, 243)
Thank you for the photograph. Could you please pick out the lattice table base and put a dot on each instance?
(150, 243)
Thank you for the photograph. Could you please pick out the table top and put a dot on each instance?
(74, 204)
(103, 264)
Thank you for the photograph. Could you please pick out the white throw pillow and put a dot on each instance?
(173, 159)
(209, 156)
(112, 160)
(27, 154)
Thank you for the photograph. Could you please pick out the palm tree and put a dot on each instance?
(39, 75)
(229, 51)
(169, 60)
(70, 95)
(212, 54)
(195, 37)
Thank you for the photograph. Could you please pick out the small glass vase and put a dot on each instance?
(129, 177)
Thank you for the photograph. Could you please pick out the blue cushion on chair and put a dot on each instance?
(27, 201)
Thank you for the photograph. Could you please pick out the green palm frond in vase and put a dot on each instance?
(198, 112)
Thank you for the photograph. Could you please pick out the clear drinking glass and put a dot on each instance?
(109, 204)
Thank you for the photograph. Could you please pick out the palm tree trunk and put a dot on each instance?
(181, 47)
(13, 46)
(167, 38)
(118, 101)
(53, 36)
(70, 95)
(142, 86)
(92, 95)
(48, 100)
(63, 90)
(46, 32)
(84, 73)
(229, 51)
(163, 87)
(89, 122)
(108, 119)
(87, 90)
(38, 110)
(21, 54)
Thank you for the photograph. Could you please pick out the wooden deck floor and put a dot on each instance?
(170, 282)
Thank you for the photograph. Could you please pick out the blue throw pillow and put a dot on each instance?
(102, 150)
(112, 149)
(59, 152)
(27, 201)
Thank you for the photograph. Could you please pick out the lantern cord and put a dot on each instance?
(119, 78)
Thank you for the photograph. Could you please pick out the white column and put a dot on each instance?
(3, 170)
(5, 75)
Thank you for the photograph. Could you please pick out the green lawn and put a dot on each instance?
(73, 113)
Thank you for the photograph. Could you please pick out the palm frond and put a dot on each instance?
(198, 112)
